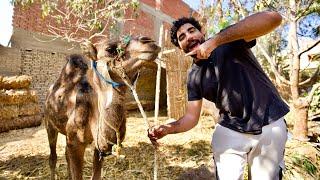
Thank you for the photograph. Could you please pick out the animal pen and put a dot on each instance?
(132, 166)
(42, 61)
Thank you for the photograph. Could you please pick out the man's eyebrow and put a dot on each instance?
(190, 28)
(180, 35)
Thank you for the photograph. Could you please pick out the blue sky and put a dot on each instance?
(6, 10)
(194, 4)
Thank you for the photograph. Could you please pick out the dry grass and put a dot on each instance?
(24, 154)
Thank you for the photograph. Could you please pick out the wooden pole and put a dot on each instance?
(158, 79)
(157, 95)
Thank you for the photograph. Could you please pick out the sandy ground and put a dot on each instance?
(24, 154)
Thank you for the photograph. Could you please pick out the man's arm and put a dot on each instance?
(187, 122)
(248, 29)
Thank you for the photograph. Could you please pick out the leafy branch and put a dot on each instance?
(79, 20)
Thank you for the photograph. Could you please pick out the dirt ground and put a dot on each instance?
(24, 155)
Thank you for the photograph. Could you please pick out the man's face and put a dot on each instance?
(189, 37)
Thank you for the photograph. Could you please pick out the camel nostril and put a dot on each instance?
(144, 39)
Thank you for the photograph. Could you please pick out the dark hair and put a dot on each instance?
(178, 23)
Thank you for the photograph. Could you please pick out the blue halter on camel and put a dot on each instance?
(113, 83)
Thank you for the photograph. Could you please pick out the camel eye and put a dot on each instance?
(112, 50)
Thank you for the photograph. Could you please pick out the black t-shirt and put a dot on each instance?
(233, 79)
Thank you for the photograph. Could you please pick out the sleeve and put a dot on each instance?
(194, 92)
(243, 44)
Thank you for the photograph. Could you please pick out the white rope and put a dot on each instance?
(135, 95)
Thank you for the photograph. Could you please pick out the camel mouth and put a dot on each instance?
(149, 55)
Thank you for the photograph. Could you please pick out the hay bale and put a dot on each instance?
(147, 105)
(14, 111)
(29, 109)
(20, 122)
(15, 82)
(10, 97)
(8, 112)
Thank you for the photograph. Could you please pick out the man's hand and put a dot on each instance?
(185, 123)
(157, 132)
(204, 50)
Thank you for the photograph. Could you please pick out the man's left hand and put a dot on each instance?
(203, 51)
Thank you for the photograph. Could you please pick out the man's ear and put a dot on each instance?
(203, 31)
(89, 50)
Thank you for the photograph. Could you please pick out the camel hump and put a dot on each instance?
(74, 70)
(77, 61)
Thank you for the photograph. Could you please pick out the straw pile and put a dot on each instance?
(19, 106)
(20, 122)
(15, 82)
(14, 111)
(10, 97)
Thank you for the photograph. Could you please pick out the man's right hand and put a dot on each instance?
(157, 132)
(185, 123)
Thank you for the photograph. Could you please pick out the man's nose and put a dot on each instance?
(189, 37)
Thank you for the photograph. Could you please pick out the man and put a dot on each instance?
(251, 128)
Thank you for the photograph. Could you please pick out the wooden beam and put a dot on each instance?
(150, 10)
(169, 51)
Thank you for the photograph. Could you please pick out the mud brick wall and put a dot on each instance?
(44, 67)
(10, 63)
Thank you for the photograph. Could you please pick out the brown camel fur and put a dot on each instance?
(86, 109)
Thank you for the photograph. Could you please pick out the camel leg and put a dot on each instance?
(118, 143)
(52, 137)
(97, 165)
(75, 155)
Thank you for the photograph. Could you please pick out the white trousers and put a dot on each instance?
(264, 153)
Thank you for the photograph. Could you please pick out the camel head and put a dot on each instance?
(129, 54)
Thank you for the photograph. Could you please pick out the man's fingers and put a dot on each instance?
(191, 53)
(155, 143)
(152, 135)
(150, 132)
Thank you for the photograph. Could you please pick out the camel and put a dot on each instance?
(87, 104)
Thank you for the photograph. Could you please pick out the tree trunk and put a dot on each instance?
(300, 106)
(300, 110)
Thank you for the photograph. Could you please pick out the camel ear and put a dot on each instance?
(89, 50)
(135, 79)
